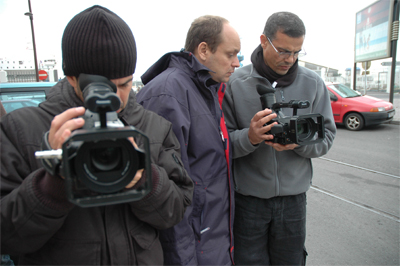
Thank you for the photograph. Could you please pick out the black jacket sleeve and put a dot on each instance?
(29, 214)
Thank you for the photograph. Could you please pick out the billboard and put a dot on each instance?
(373, 31)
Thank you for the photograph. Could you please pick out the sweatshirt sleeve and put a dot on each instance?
(321, 105)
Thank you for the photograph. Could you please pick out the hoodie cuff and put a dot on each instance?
(50, 190)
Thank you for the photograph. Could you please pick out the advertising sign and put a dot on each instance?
(373, 31)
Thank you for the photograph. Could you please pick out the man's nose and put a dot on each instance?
(291, 59)
(236, 62)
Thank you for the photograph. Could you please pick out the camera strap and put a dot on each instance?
(52, 165)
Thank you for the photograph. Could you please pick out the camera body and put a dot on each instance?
(303, 129)
(98, 160)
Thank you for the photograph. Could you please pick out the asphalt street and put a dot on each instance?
(353, 214)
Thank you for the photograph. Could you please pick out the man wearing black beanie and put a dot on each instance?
(39, 224)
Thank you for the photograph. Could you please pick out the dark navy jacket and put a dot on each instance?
(180, 89)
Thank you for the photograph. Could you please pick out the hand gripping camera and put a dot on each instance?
(303, 129)
(99, 161)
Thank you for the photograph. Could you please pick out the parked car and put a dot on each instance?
(22, 94)
(356, 111)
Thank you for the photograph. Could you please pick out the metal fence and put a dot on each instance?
(21, 75)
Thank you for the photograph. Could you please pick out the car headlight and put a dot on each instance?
(377, 109)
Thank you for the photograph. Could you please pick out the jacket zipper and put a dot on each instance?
(282, 97)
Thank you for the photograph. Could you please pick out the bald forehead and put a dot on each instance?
(231, 37)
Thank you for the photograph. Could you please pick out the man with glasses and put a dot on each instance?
(271, 179)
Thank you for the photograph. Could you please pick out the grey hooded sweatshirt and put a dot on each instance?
(260, 170)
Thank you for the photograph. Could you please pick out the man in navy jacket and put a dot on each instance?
(185, 88)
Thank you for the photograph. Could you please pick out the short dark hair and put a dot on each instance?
(285, 22)
(205, 29)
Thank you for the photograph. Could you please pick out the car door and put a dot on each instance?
(336, 104)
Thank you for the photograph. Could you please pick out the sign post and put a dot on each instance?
(366, 65)
(395, 37)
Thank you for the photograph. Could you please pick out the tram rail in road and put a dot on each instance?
(353, 214)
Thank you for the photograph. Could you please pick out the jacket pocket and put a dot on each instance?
(147, 245)
(65, 252)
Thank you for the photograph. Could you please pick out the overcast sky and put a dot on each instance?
(160, 26)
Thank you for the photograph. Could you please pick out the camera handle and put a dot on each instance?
(50, 154)
(268, 100)
(295, 104)
(50, 158)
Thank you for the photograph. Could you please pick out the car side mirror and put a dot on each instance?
(333, 98)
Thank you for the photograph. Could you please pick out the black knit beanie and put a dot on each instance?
(98, 42)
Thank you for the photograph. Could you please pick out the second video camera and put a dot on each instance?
(303, 129)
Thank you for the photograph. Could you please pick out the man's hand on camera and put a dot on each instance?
(62, 126)
(139, 172)
(280, 147)
(136, 179)
(257, 127)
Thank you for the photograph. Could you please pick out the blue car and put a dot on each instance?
(23, 94)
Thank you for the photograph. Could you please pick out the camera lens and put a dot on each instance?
(106, 166)
(304, 129)
(301, 128)
(105, 159)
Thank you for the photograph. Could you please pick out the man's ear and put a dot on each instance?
(203, 51)
(264, 41)
(73, 81)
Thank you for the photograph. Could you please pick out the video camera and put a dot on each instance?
(303, 129)
(99, 161)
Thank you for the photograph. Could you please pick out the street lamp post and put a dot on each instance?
(30, 15)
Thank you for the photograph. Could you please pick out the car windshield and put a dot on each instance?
(344, 91)
(15, 100)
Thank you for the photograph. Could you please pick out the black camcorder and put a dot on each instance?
(98, 160)
(303, 129)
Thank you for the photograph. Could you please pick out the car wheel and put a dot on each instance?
(354, 121)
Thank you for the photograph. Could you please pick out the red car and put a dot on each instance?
(356, 111)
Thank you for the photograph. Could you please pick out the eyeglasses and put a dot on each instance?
(286, 55)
